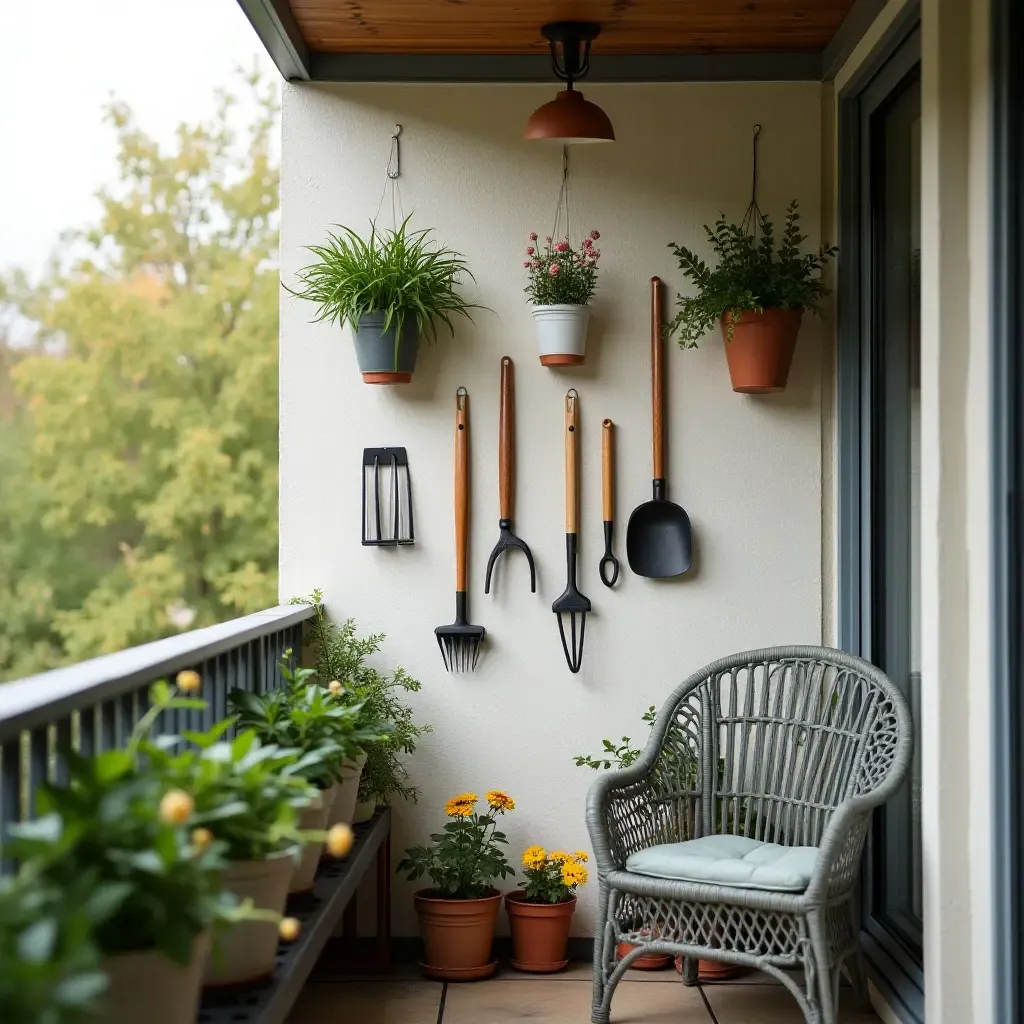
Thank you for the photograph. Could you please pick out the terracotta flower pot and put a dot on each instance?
(457, 935)
(312, 817)
(247, 951)
(650, 962)
(540, 932)
(561, 334)
(152, 988)
(348, 791)
(712, 970)
(381, 360)
(760, 351)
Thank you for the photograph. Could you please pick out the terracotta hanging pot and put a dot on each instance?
(540, 932)
(153, 988)
(344, 806)
(649, 962)
(312, 817)
(760, 351)
(246, 951)
(457, 935)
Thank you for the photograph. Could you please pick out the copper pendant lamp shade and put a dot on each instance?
(569, 118)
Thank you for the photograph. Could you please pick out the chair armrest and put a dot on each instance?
(839, 853)
(620, 815)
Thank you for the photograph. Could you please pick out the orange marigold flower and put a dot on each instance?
(499, 801)
(581, 856)
(460, 806)
(574, 874)
(534, 857)
(561, 857)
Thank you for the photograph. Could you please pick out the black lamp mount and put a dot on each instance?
(575, 38)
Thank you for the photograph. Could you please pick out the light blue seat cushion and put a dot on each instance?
(729, 860)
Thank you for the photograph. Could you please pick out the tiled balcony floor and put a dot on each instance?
(512, 998)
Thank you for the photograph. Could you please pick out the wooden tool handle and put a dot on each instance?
(657, 394)
(608, 470)
(572, 399)
(507, 440)
(461, 486)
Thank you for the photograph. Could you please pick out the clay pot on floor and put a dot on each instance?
(760, 351)
(344, 808)
(151, 987)
(651, 962)
(312, 817)
(457, 935)
(712, 970)
(540, 932)
(247, 951)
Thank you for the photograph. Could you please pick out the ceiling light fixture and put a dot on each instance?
(569, 117)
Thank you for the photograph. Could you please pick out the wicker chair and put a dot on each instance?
(789, 745)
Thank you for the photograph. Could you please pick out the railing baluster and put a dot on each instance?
(10, 785)
(62, 743)
(87, 732)
(38, 763)
(108, 724)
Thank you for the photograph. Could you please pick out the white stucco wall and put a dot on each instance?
(746, 469)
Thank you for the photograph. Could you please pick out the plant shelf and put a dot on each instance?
(319, 912)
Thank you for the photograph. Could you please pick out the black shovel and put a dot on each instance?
(658, 541)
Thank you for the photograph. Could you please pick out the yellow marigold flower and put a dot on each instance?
(561, 857)
(201, 838)
(176, 807)
(500, 801)
(334, 686)
(289, 929)
(581, 856)
(461, 806)
(534, 857)
(574, 874)
(339, 840)
(188, 681)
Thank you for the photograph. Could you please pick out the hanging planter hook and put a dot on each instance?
(394, 157)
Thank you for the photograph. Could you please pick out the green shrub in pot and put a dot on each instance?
(392, 287)
(340, 654)
(756, 293)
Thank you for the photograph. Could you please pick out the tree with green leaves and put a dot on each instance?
(138, 429)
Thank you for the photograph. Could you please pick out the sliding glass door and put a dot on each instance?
(880, 460)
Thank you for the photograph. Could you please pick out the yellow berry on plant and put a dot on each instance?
(176, 807)
(188, 681)
(334, 686)
(201, 838)
(339, 840)
(289, 929)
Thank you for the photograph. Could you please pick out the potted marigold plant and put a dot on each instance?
(541, 915)
(561, 284)
(757, 294)
(392, 288)
(457, 914)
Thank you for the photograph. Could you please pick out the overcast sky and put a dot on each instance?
(61, 61)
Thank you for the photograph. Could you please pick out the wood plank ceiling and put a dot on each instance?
(513, 26)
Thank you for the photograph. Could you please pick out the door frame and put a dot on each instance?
(896, 974)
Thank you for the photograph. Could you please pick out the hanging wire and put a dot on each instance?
(391, 175)
(753, 219)
(564, 198)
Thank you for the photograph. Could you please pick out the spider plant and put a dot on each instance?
(400, 273)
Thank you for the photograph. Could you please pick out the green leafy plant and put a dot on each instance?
(342, 655)
(552, 877)
(466, 857)
(559, 274)
(247, 794)
(118, 823)
(400, 273)
(751, 274)
(619, 755)
(49, 964)
(319, 724)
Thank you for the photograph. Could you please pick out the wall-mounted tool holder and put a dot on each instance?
(391, 526)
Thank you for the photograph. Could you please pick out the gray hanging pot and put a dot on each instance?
(380, 361)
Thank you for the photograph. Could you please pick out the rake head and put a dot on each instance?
(460, 642)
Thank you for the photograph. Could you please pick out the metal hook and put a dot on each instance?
(394, 157)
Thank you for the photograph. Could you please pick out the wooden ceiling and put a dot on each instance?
(513, 26)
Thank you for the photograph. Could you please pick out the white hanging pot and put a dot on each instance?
(344, 808)
(561, 334)
(153, 988)
(313, 816)
(247, 951)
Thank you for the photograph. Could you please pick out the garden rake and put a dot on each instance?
(460, 642)
(572, 604)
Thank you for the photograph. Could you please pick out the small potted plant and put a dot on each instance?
(561, 284)
(541, 915)
(378, 774)
(757, 293)
(458, 913)
(392, 288)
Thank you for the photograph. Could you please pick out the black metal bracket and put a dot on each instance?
(575, 38)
